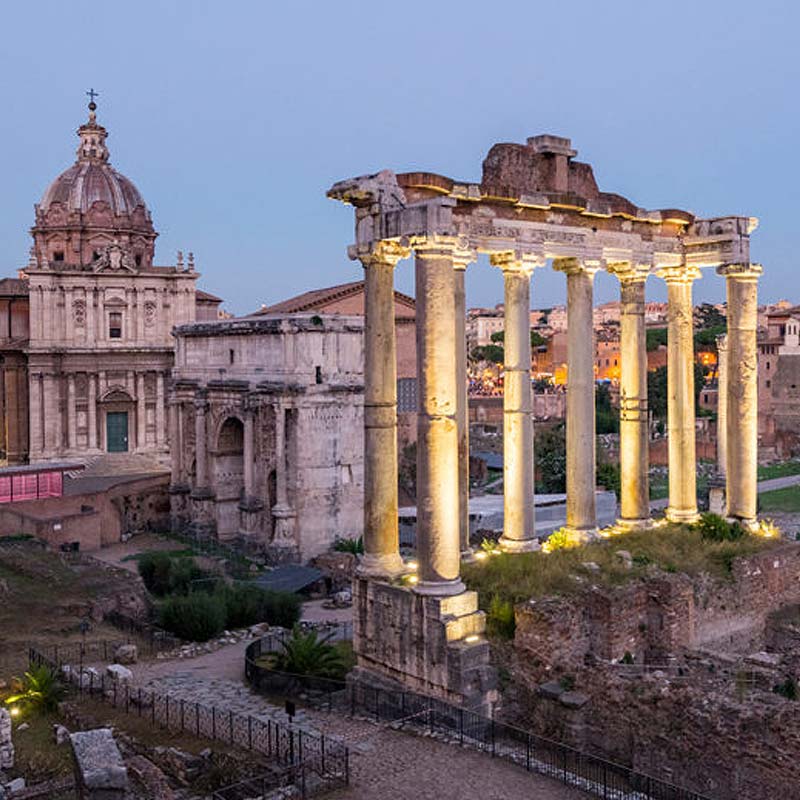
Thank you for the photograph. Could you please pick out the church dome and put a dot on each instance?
(90, 207)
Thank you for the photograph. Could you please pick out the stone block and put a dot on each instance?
(126, 654)
(573, 699)
(119, 674)
(99, 769)
(6, 744)
(552, 690)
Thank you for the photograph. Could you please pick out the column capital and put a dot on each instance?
(722, 342)
(201, 404)
(463, 257)
(742, 272)
(516, 261)
(435, 244)
(573, 266)
(629, 271)
(385, 251)
(680, 274)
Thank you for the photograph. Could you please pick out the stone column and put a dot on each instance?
(722, 404)
(175, 450)
(249, 454)
(519, 528)
(680, 393)
(742, 401)
(160, 409)
(201, 455)
(381, 540)
(72, 415)
(52, 401)
(634, 437)
(581, 509)
(91, 409)
(461, 259)
(438, 533)
(282, 513)
(141, 413)
(36, 433)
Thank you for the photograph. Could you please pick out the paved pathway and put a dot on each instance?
(386, 764)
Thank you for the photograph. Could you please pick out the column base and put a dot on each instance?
(582, 535)
(624, 525)
(519, 545)
(377, 565)
(468, 556)
(440, 588)
(686, 516)
(748, 523)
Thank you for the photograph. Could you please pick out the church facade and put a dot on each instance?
(86, 335)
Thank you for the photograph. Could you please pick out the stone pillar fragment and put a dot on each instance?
(381, 538)
(249, 454)
(282, 513)
(519, 527)
(72, 414)
(634, 459)
(680, 393)
(160, 409)
(438, 530)
(461, 259)
(581, 507)
(742, 395)
(141, 413)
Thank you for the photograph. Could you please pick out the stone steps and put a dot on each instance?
(112, 464)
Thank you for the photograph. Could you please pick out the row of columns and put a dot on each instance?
(442, 442)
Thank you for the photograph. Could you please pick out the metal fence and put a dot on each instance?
(157, 638)
(315, 760)
(421, 713)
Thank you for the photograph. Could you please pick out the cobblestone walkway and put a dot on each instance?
(385, 764)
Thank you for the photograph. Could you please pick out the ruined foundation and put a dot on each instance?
(404, 640)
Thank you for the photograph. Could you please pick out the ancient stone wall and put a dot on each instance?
(661, 615)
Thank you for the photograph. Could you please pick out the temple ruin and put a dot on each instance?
(534, 205)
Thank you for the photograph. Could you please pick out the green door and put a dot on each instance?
(117, 431)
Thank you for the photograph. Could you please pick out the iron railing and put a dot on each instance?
(318, 762)
(420, 713)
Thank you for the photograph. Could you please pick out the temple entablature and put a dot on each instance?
(535, 200)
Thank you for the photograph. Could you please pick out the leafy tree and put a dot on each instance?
(708, 316)
(489, 352)
(550, 446)
(305, 653)
(606, 416)
(498, 336)
(655, 338)
(657, 389)
(537, 340)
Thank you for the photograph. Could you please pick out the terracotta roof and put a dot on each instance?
(317, 298)
(207, 296)
(16, 287)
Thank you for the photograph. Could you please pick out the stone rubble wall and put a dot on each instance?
(659, 616)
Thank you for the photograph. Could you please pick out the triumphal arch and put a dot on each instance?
(534, 205)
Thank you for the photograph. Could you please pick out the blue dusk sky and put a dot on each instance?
(233, 118)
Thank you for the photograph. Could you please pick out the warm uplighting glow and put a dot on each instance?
(412, 578)
(481, 555)
(562, 539)
(14, 711)
(472, 638)
(412, 565)
(767, 529)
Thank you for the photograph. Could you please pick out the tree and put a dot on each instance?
(708, 316)
(657, 389)
(550, 446)
(498, 336)
(655, 338)
(537, 340)
(606, 416)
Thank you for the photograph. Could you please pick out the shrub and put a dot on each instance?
(280, 608)
(247, 604)
(500, 618)
(304, 653)
(163, 574)
(354, 546)
(41, 690)
(787, 689)
(561, 539)
(197, 617)
(714, 528)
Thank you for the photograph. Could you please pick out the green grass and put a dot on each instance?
(767, 471)
(786, 500)
(514, 578)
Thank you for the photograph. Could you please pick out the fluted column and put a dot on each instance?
(438, 530)
(381, 540)
(282, 513)
(742, 402)
(201, 453)
(680, 393)
(141, 413)
(460, 262)
(160, 410)
(581, 508)
(519, 526)
(633, 423)
(722, 404)
(91, 408)
(175, 449)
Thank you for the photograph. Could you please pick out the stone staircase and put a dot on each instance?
(115, 464)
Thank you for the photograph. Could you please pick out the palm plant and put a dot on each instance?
(41, 690)
(305, 653)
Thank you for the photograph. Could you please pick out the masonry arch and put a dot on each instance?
(228, 474)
